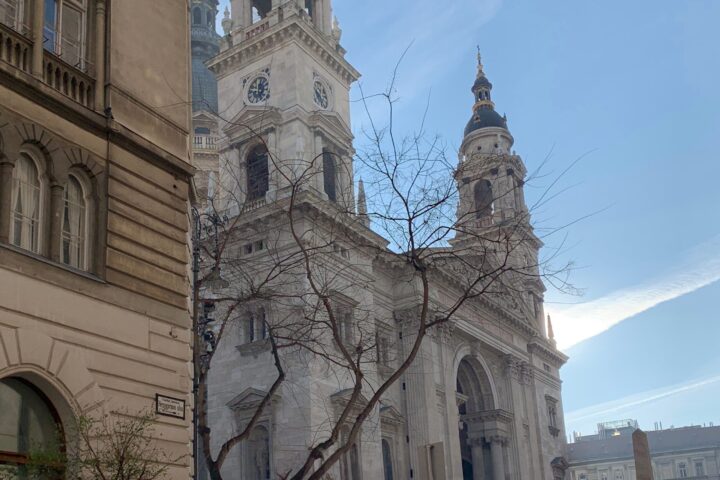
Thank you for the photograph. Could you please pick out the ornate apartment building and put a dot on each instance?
(94, 184)
(483, 398)
(676, 453)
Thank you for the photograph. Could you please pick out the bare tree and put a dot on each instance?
(104, 446)
(316, 256)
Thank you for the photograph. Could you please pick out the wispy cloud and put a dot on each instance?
(631, 406)
(576, 323)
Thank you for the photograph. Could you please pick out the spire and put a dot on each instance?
(484, 114)
(551, 333)
(480, 65)
(482, 87)
(362, 205)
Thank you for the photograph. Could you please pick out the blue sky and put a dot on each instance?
(632, 87)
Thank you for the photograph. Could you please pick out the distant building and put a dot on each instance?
(205, 43)
(688, 452)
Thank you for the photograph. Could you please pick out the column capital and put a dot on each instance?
(497, 439)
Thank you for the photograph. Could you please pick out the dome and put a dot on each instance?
(484, 118)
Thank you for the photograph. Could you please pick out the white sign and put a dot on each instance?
(170, 407)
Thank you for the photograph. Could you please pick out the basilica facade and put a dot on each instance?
(482, 399)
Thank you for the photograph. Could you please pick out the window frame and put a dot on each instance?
(88, 214)
(19, 21)
(29, 155)
(56, 45)
(257, 188)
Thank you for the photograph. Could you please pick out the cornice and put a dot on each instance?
(53, 101)
(540, 347)
(292, 28)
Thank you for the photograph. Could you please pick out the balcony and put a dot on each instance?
(68, 80)
(205, 142)
(16, 50)
(257, 29)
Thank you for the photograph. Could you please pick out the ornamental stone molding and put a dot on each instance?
(25, 352)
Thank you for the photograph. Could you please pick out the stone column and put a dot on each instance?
(247, 16)
(317, 157)
(498, 461)
(327, 17)
(100, 55)
(418, 392)
(56, 214)
(6, 170)
(478, 460)
(38, 38)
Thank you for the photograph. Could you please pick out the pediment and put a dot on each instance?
(204, 116)
(390, 414)
(334, 125)
(256, 117)
(343, 398)
(249, 398)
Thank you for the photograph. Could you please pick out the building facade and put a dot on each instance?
(483, 398)
(688, 452)
(94, 185)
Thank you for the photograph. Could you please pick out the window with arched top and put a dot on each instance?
(197, 16)
(27, 421)
(483, 199)
(210, 18)
(329, 174)
(258, 173)
(258, 454)
(25, 205)
(74, 225)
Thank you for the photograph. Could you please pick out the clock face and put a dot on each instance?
(321, 95)
(259, 90)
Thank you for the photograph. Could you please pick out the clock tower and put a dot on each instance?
(284, 102)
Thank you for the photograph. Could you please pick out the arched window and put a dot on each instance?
(27, 421)
(483, 199)
(210, 18)
(329, 175)
(25, 226)
(258, 459)
(257, 173)
(74, 225)
(197, 16)
(387, 460)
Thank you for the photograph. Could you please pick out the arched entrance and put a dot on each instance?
(480, 453)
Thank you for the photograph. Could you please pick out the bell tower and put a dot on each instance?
(490, 180)
(490, 176)
(284, 97)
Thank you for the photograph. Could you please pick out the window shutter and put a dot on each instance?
(72, 35)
